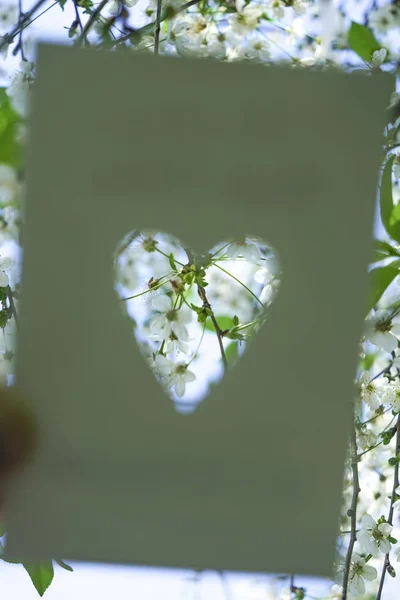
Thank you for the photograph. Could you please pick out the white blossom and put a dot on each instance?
(18, 90)
(383, 18)
(270, 290)
(215, 46)
(9, 185)
(396, 504)
(180, 377)
(243, 249)
(247, 17)
(5, 264)
(391, 396)
(169, 320)
(359, 571)
(277, 8)
(257, 49)
(371, 392)
(373, 538)
(8, 16)
(12, 218)
(127, 274)
(380, 330)
(299, 7)
(336, 592)
(378, 57)
(397, 554)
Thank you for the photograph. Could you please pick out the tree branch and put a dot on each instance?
(12, 305)
(386, 563)
(202, 293)
(90, 22)
(353, 509)
(157, 28)
(148, 29)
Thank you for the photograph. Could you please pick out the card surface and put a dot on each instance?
(251, 481)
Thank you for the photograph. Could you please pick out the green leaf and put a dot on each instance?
(224, 323)
(62, 3)
(5, 315)
(394, 461)
(367, 362)
(41, 575)
(390, 215)
(172, 262)
(362, 41)
(232, 352)
(10, 151)
(379, 280)
(384, 250)
(63, 564)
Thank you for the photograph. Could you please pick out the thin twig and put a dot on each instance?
(12, 305)
(386, 563)
(78, 17)
(90, 22)
(148, 29)
(203, 296)
(8, 37)
(353, 509)
(20, 45)
(157, 28)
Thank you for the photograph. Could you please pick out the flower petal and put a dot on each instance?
(369, 573)
(162, 303)
(180, 387)
(4, 281)
(385, 528)
(368, 522)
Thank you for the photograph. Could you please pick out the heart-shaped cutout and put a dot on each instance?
(193, 314)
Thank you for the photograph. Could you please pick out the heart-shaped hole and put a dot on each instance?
(193, 314)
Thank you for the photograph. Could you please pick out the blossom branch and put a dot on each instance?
(353, 509)
(203, 296)
(386, 564)
(148, 29)
(19, 46)
(12, 304)
(90, 22)
(22, 23)
(157, 28)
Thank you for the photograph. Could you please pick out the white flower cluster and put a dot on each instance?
(375, 392)
(18, 90)
(384, 18)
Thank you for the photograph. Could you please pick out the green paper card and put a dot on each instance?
(252, 480)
